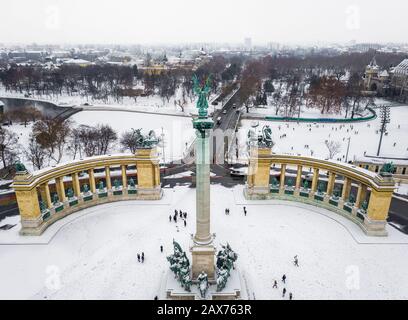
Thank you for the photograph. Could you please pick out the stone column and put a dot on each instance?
(330, 186)
(203, 250)
(330, 183)
(76, 185)
(203, 235)
(108, 178)
(92, 184)
(47, 195)
(299, 177)
(315, 181)
(282, 178)
(361, 195)
(59, 185)
(124, 179)
(346, 189)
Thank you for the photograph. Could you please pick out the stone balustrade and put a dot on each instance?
(367, 205)
(50, 194)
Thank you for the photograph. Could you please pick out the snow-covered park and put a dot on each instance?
(92, 254)
(308, 139)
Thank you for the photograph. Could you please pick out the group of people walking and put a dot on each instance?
(275, 283)
(140, 257)
(227, 211)
(179, 215)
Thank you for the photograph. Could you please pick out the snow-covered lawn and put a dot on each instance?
(178, 131)
(94, 256)
(363, 136)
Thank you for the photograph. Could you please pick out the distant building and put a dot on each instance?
(78, 62)
(375, 79)
(248, 43)
(391, 82)
(399, 79)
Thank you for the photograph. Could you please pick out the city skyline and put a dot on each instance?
(292, 22)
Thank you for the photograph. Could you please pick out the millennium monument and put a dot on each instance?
(203, 250)
(211, 278)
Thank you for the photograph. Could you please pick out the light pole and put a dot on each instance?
(348, 148)
(162, 138)
(385, 118)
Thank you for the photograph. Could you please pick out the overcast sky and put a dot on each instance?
(173, 21)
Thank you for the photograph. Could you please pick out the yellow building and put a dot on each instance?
(353, 192)
(43, 196)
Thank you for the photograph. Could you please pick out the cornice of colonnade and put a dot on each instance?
(32, 180)
(351, 171)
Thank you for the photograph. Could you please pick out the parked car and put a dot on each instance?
(218, 120)
(224, 111)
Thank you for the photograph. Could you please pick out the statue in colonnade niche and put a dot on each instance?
(86, 188)
(43, 207)
(70, 193)
(55, 198)
(101, 186)
(131, 182)
(116, 183)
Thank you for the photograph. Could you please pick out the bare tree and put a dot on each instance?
(52, 135)
(334, 147)
(106, 136)
(129, 140)
(8, 147)
(35, 153)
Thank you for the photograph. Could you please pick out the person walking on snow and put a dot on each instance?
(138, 257)
(275, 284)
(185, 215)
(185, 223)
(161, 248)
(290, 296)
(296, 261)
(284, 278)
(283, 292)
(142, 257)
(170, 218)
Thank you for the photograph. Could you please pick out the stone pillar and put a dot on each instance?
(124, 178)
(361, 195)
(76, 185)
(258, 171)
(346, 189)
(203, 250)
(92, 184)
(299, 177)
(377, 213)
(330, 183)
(148, 174)
(47, 195)
(282, 178)
(108, 178)
(59, 185)
(314, 181)
(27, 200)
(203, 235)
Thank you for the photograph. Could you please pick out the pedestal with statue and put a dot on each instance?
(210, 279)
